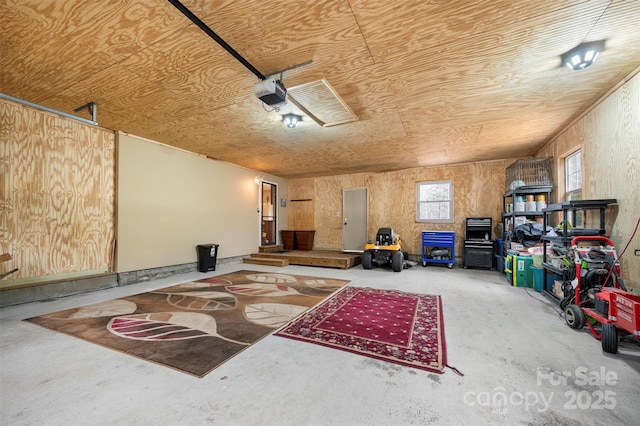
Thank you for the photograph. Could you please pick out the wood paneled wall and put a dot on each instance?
(477, 189)
(301, 214)
(609, 137)
(57, 195)
(302, 206)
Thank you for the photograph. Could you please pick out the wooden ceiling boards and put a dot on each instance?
(424, 82)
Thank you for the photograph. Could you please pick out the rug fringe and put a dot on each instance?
(455, 370)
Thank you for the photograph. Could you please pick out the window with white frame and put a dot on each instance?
(573, 175)
(434, 201)
(573, 183)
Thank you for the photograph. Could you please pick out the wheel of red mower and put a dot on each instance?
(397, 261)
(574, 317)
(609, 338)
(366, 260)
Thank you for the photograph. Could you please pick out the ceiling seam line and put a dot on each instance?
(364, 40)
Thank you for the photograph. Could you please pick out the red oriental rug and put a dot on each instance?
(389, 325)
(195, 326)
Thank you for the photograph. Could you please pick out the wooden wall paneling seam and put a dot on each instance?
(116, 192)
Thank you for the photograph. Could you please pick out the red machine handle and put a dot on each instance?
(574, 240)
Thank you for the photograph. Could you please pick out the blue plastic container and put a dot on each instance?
(500, 263)
(538, 277)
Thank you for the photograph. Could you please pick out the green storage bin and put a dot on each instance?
(522, 274)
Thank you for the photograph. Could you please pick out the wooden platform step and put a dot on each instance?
(325, 258)
(266, 261)
(270, 249)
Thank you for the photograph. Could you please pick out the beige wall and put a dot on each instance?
(171, 200)
(609, 137)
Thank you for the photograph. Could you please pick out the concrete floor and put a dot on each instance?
(521, 365)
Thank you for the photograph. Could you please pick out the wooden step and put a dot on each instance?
(270, 249)
(266, 261)
(330, 259)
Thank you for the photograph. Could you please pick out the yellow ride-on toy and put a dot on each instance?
(387, 249)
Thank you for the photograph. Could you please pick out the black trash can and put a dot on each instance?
(207, 255)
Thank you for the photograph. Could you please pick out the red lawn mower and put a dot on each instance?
(600, 296)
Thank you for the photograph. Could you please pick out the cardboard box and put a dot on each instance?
(555, 261)
(557, 289)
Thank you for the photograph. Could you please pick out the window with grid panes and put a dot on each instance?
(434, 201)
(573, 183)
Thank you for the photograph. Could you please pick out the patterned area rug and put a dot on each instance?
(196, 326)
(389, 325)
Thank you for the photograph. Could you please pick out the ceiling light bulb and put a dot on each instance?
(291, 120)
(583, 55)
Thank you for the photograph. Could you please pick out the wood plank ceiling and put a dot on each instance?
(431, 82)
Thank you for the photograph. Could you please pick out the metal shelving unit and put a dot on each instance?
(568, 233)
(509, 217)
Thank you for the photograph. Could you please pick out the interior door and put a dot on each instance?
(354, 219)
(269, 235)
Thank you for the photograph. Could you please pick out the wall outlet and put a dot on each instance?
(636, 252)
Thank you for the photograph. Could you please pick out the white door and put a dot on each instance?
(354, 219)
